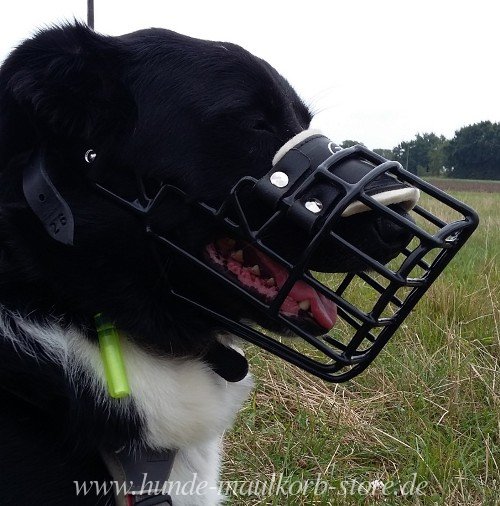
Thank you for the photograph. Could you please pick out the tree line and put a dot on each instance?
(473, 153)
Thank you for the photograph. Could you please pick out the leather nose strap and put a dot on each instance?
(305, 159)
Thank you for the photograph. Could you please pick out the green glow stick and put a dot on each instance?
(112, 358)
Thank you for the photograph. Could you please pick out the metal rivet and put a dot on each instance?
(90, 156)
(279, 179)
(314, 205)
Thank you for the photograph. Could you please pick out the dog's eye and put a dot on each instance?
(262, 125)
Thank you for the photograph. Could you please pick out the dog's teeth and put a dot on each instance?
(255, 270)
(305, 305)
(238, 256)
(270, 282)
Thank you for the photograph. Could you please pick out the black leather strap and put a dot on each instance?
(305, 181)
(148, 468)
(150, 500)
(45, 201)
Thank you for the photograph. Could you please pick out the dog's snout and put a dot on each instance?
(392, 233)
(374, 234)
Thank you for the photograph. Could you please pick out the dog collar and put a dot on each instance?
(140, 478)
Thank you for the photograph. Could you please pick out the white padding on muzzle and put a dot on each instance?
(406, 198)
(296, 139)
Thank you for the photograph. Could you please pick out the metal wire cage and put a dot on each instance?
(389, 292)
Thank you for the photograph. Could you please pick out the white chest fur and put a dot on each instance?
(182, 403)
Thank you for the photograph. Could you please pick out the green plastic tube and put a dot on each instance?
(112, 358)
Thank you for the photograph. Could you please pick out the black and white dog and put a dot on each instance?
(197, 114)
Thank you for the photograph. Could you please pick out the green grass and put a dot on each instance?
(429, 404)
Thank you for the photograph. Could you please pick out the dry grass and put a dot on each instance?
(430, 404)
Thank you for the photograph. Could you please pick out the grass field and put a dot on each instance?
(427, 411)
(474, 185)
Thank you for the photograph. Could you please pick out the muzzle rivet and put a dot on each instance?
(279, 179)
(313, 205)
(90, 156)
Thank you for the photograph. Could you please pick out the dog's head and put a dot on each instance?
(159, 108)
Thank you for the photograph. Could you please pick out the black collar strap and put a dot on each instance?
(143, 475)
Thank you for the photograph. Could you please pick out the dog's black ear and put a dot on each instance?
(66, 82)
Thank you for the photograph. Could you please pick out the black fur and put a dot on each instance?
(194, 113)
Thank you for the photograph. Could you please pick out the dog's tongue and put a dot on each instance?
(323, 310)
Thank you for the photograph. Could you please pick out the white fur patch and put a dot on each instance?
(181, 402)
(199, 466)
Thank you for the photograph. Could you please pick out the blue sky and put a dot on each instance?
(375, 71)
